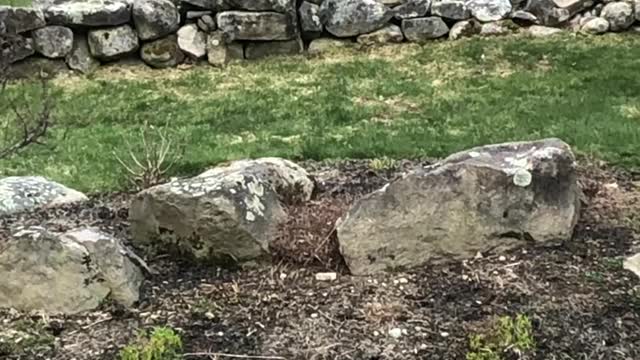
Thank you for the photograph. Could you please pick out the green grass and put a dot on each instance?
(507, 335)
(15, 2)
(397, 102)
(161, 344)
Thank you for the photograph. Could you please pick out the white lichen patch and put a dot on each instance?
(522, 178)
(20, 193)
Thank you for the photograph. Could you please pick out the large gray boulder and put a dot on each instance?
(556, 12)
(595, 26)
(347, 18)
(490, 198)
(228, 213)
(422, 29)
(154, 19)
(14, 48)
(16, 20)
(259, 50)
(53, 41)
(489, 10)
(619, 15)
(162, 53)
(387, 35)
(113, 43)
(451, 9)
(243, 25)
(412, 9)
(89, 13)
(66, 273)
(310, 24)
(192, 41)
(80, 59)
(23, 193)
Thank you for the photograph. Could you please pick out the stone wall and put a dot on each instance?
(166, 33)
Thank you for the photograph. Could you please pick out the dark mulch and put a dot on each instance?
(582, 303)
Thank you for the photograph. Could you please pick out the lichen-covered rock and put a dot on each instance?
(32, 67)
(154, 19)
(80, 58)
(259, 50)
(388, 34)
(347, 18)
(15, 47)
(23, 193)
(451, 9)
(556, 12)
(412, 9)
(465, 28)
(281, 6)
(493, 198)
(207, 23)
(113, 43)
(220, 53)
(543, 31)
(595, 26)
(496, 28)
(192, 41)
(227, 213)
(16, 20)
(632, 264)
(262, 26)
(489, 10)
(66, 273)
(310, 23)
(619, 15)
(422, 29)
(89, 13)
(53, 41)
(323, 46)
(162, 53)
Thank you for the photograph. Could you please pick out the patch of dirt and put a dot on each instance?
(582, 303)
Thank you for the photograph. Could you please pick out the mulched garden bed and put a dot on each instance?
(583, 305)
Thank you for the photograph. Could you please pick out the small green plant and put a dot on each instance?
(162, 344)
(383, 163)
(508, 334)
(595, 276)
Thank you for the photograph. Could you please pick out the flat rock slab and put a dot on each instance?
(226, 215)
(263, 26)
(16, 20)
(66, 273)
(489, 198)
(23, 193)
(89, 13)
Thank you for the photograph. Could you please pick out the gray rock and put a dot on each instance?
(412, 9)
(215, 5)
(234, 210)
(89, 13)
(235, 51)
(281, 6)
(24, 193)
(496, 28)
(388, 34)
(490, 198)
(259, 50)
(489, 10)
(192, 41)
(556, 12)
(162, 53)
(195, 15)
(80, 58)
(66, 273)
(324, 46)
(16, 20)
(465, 28)
(523, 18)
(113, 43)
(263, 26)
(32, 67)
(14, 48)
(543, 31)
(596, 26)
(217, 50)
(154, 19)
(207, 23)
(53, 41)
(347, 18)
(451, 9)
(636, 8)
(619, 15)
(310, 23)
(632, 264)
(421, 29)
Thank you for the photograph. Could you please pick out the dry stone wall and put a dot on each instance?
(165, 33)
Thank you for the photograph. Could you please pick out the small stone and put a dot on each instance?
(502, 258)
(376, 333)
(444, 334)
(191, 15)
(314, 316)
(543, 31)
(331, 276)
(192, 41)
(465, 28)
(207, 23)
(162, 53)
(395, 333)
(283, 276)
(209, 315)
(633, 264)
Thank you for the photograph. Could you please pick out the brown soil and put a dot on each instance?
(582, 303)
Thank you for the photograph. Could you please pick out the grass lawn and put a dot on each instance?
(15, 2)
(402, 102)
